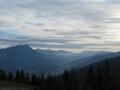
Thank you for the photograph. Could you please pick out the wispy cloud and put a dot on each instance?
(71, 24)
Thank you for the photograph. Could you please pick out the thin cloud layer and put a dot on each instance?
(67, 24)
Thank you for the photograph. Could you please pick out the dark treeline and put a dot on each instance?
(20, 76)
(95, 79)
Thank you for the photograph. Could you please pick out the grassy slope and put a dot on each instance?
(4, 83)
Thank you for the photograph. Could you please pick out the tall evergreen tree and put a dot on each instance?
(3, 75)
(22, 76)
(74, 80)
(10, 76)
(108, 76)
(100, 81)
(91, 80)
(66, 79)
(107, 71)
(27, 78)
(42, 82)
(17, 76)
(50, 82)
(34, 80)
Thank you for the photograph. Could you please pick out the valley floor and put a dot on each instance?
(13, 88)
(11, 85)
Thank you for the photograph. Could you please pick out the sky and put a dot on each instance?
(73, 25)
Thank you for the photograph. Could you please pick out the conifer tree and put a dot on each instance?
(10, 76)
(17, 76)
(34, 80)
(22, 76)
(100, 81)
(91, 81)
(108, 76)
(27, 78)
(66, 80)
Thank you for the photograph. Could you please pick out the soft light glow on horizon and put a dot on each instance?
(73, 25)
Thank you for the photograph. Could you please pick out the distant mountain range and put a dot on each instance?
(114, 66)
(46, 61)
(89, 58)
(54, 53)
(24, 57)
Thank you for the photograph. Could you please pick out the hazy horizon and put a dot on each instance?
(60, 49)
(72, 25)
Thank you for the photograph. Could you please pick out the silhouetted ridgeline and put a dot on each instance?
(103, 75)
(100, 72)
(45, 61)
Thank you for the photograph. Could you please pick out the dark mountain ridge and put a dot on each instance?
(46, 61)
(22, 57)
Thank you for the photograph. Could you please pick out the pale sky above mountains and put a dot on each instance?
(61, 24)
